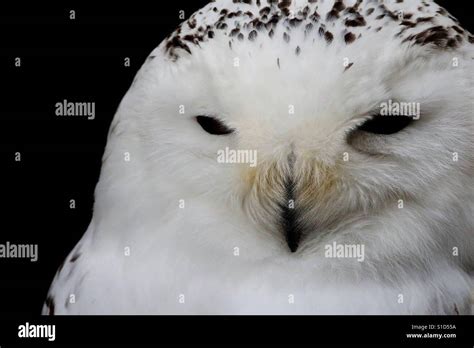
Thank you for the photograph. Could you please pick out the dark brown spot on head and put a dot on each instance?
(437, 36)
(358, 21)
(305, 12)
(175, 43)
(452, 43)
(349, 38)
(192, 23)
(283, 4)
(294, 22)
(315, 17)
(339, 6)
(190, 38)
(273, 21)
(221, 26)
(328, 36)
(252, 35)
(408, 24)
(459, 30)
(321, 31)
(264, 11)
(424, 19)
(333, 14)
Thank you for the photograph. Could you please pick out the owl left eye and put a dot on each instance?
(385, 125)
(213, 125)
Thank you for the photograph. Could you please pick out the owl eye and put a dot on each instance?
(213, 125)
(386, 124)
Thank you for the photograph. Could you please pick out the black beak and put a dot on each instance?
(289, 216)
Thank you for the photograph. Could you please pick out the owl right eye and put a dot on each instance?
(213, 126)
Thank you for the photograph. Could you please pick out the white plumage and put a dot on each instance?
(176, 232)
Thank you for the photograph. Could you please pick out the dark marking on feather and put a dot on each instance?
(349, 38)
(192, 23)
(50, 304)
(358, 21)
(264, 11)
(456, 28)
(175, 43)
(332, 15)
(75, 257)
(456, 309)
(284, 4)
(252, 35)
(328, 36)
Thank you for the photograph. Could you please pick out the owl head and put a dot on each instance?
(301, 122)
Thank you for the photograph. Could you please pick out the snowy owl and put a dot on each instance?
(287, 157)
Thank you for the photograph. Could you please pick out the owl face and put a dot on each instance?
(304, 118)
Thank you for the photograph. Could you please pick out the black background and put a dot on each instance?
(77, 60)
